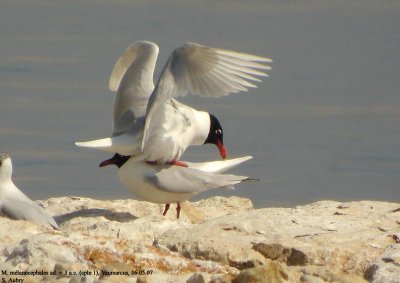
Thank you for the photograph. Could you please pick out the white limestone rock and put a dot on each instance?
(218, 240)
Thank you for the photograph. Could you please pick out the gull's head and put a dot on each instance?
(5, 166)
(117, 160)
(216, 135)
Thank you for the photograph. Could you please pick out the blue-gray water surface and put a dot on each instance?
(324, 125)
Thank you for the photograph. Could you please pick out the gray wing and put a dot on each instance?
(124, 122)
(176, 179)
(132, 79)
(202, 70)
(27, 210)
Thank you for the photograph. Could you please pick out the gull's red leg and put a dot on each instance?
(178, 209)
(166, 209)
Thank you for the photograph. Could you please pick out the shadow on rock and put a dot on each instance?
(96, 212)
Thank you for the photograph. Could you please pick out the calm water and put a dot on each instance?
(325, 125)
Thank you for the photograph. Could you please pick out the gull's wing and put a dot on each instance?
(26, 209)
(177, 179)
(202, 70)
(126, 143)
(132, 79)
(219, 166)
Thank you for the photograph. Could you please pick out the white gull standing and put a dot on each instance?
(14, 203)
(165, 184)
(149, 123)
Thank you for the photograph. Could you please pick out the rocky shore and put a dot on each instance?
(216, 240)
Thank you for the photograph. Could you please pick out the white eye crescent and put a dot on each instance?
(218, 131)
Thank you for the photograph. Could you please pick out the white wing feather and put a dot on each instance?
(201, 70)
(132, 79)
(219, 166)
(130, 55)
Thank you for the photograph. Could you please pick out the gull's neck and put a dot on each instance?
(5, 172)
(202, 122)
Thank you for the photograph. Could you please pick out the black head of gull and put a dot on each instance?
(216, 135)
(117, 160)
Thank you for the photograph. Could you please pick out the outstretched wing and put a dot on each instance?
(132, 79)
(202, 70)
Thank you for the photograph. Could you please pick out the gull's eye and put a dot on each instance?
(218, 132)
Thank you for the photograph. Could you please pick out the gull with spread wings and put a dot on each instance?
(149, 123)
